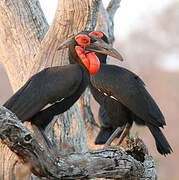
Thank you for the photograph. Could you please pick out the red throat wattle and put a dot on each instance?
(89, 59)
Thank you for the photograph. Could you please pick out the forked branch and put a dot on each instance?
(112, 7)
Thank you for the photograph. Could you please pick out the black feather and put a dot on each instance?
(162, 144)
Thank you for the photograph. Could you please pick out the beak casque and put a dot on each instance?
(102, 47)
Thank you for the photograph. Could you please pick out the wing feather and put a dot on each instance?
(127, 88)
(48, 86)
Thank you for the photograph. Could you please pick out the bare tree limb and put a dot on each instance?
(106, 19)
(108, 163)
(112, 7)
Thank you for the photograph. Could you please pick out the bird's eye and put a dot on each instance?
(99, 34)
(82, 39)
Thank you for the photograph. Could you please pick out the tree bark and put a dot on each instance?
(22, 27)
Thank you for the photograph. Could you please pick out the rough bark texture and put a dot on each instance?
(25, 50)
(101, 163)
(22, 27)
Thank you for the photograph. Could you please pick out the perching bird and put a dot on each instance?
(59, 86)
(124, 100)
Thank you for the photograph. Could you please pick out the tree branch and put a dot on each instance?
(112, 7)
(106, 19)
(108, 163)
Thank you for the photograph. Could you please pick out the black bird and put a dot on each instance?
(124, 100)
(59, 87)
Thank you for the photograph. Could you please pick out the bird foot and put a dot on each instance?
(45, 141)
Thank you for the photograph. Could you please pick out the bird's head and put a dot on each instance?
(89, 48)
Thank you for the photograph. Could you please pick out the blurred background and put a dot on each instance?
(146, 34)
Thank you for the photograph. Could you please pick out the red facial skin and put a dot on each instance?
(89, 59)
(100, 34)
(82, 40)
(94, 62)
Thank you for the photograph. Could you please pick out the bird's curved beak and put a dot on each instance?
(66, 43)
(102, 47)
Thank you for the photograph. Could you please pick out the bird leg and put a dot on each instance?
(118, 131)
(124, 134)
(43, 139)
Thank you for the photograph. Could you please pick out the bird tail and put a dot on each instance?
(162, 144)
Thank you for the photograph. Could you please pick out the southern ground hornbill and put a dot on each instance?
(124, 100)
(60, 87)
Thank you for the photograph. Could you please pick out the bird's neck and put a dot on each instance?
(74, 59)
(102, 58)
(86, 74)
